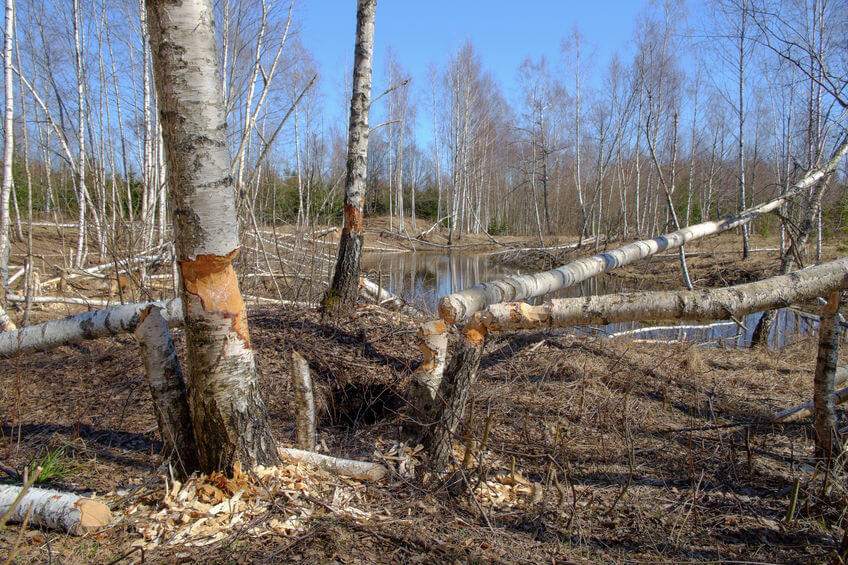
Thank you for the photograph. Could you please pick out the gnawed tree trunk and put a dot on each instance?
(167, 389)
(449, 406)
(304, 402)
(715, 304)
(460, 306)
(433, 342)
(6, 323)
(56, 510)
(824, 413)
(344, 290)
(90, 325)
(361, 470)
(739, 300)
(229, 416)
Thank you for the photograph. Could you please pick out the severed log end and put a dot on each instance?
(52, 509)
(93, 515)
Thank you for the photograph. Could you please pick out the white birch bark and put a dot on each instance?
(56, 510)
(304, 401)
(361, 470)
(433, 342)
(714, 304)
(167, 389)
(8, 145)
(229, 416)
(824, 412)
(343, 291)
(90, 325)
(6, 323)
(460, 306)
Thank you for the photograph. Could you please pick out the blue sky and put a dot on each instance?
(425, 32)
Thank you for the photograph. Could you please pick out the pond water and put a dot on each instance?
(424, 277)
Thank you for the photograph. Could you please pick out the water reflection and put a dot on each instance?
(423, 278)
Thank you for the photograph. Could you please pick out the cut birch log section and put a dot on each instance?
(458, 307)
(715, 304)
(167, 388)
(802, 411)
(89, 325)
(55, 510)
(361, 470)
(304, 402)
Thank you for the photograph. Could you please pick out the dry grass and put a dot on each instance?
(664, 452)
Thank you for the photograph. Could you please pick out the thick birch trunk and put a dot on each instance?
(304, 402)
(715, 304)
(229, 416)
(824, 412)
(344, 290)
(167, 389)
(460, 306)
(55, 510)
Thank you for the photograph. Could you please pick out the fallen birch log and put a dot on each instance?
(806, 410)
(89, 325)
(458, 307)
(55, 510)
(714, 304)
(447, 408)
(122, 265)
(648, 329)
(82, 301)
(361, 470)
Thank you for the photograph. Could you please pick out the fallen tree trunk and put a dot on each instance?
(90, 325)
(82, 301)
(805, 410)
(55, 510)
(458, 307)
(715, 304)
(362, 470)
(167, 389)
(448, 407)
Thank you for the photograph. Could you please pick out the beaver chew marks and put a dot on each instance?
(213, 279)
(353, 218)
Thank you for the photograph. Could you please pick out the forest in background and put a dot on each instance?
(711, 115)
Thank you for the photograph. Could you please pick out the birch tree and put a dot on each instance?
(344, 290)
(229, 416)
(8, 142)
